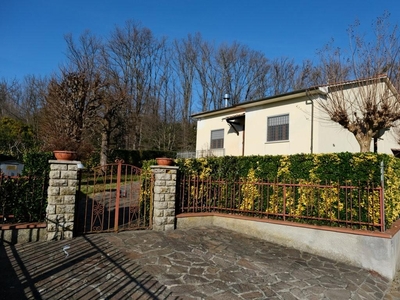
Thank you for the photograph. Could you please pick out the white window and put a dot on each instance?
(278, 128)
(217, 139)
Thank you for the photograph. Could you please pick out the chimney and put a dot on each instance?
(226, 98)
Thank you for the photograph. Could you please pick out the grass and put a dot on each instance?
(96, 184)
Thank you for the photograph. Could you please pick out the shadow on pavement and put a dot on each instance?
(10, 286)
(88, 268)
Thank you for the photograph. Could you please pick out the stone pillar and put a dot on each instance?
(164, 197)
(60, 211)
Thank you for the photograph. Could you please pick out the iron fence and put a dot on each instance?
(114, 197)
(210, 153)
(186, 154)
(332, 204)
(23, 198)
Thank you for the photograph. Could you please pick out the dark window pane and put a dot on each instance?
(278, 128)
(217, 139)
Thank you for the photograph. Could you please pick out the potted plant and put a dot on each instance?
(65, 154)
(164, 161)
(64, 149)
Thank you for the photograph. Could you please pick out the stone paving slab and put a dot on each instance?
(201, 263)
(214, 263)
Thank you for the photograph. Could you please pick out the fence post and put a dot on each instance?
(382, 197)
(118, 193)
(61, 194)
(164, 197)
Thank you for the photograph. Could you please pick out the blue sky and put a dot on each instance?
(32, 31)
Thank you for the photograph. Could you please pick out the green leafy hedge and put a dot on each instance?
(358, 169)
(36, 163)
(25, 197)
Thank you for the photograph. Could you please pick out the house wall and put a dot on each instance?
(331, 137)
(388, 142)
(11, 168)
(232, 141)
(299, 128)
(328, 136)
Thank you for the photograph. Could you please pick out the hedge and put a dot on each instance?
(360, 169)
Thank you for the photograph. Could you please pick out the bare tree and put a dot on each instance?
(10, 94)
(70, 108)
(185, 58)
(369, 104)
(136, 56)
(282, 76)
(229, 68)
(243, 72)
(90, 58)
(32, 99)
(207, 74)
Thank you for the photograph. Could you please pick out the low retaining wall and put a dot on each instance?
(23, 233)
(375, 251)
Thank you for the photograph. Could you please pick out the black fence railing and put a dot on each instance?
(23, 199)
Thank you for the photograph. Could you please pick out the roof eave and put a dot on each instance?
(242, 106)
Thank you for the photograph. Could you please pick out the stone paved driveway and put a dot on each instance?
(201, 263)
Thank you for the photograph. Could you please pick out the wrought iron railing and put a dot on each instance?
(114, 197)
(333, 204)
(186, 154)
(23, 199)
(210, 152)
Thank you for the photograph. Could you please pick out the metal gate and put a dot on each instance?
(114, 197)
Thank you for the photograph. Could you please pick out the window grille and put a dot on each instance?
(278, 128)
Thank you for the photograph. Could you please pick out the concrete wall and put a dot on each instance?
(379, 252)
(17, 234)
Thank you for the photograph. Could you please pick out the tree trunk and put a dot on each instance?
(364, 142)
(105, 138)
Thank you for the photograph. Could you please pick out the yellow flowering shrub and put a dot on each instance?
(249, 191)
(392, 190)
(308, 185)
(284, 168)
(307, 197)
(275, 203)
(365, 159)
(329, 205)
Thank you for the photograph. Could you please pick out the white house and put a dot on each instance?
(287, 124)
(11, 168)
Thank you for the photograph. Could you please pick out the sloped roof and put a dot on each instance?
(4, 157)
(240, 107)
(321, 89)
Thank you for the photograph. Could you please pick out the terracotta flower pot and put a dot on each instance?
(164, 161)
(64, 155)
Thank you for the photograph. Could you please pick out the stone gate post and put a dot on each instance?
(164, 197)
(61, 193)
